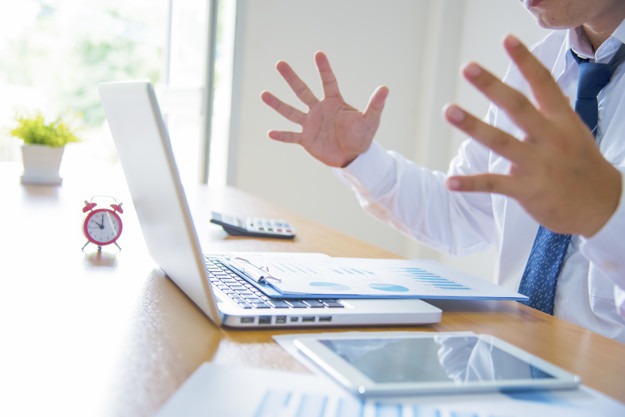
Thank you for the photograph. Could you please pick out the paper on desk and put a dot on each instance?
(581, 402)
(215, 390)
(329, 277)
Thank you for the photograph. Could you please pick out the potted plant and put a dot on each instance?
(43, 143)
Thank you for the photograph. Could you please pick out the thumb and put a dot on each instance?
(373, 112)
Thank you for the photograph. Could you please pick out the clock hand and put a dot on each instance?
(101, 225)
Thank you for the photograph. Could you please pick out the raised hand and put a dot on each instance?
(557, 173)
(332, 131)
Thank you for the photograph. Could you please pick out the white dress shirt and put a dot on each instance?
(591, 285)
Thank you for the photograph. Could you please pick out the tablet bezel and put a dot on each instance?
(359, 384)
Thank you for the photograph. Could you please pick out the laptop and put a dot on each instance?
(223, 294)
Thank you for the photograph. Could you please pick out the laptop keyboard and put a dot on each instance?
(248, 296)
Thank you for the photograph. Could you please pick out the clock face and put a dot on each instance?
(102, 226)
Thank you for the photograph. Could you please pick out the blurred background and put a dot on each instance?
(209, 61)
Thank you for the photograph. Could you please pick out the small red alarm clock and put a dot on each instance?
(102, 226)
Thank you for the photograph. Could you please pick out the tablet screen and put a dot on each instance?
(417, 362)
(458, 359)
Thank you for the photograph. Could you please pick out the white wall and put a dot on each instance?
(413, 46)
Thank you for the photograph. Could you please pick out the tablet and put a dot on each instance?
(401, 363)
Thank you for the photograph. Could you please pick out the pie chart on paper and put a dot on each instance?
(380, 286)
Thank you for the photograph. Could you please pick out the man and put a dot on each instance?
(532, 161)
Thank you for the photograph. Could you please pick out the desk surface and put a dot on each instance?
(109, 335)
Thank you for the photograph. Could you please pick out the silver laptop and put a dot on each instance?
(224, 295)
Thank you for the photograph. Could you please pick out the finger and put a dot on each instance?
(287, 111)
(516, 105)
(495, 139)
(488, 183)
(328, 80)
(298, 86)
(373, 112)
(283, 136)
(545, 89)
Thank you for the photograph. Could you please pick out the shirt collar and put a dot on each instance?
(577, 40)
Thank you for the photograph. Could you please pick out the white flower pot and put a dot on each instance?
(42, 164)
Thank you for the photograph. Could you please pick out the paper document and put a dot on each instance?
(215, 390)
(328, 277)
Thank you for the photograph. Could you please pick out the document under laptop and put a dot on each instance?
(221, 292)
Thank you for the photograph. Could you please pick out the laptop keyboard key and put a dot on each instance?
(314, 303)
(279, 304)
(297, 304)
(260, 305)
(333, 304)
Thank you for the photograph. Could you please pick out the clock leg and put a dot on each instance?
(84, 246)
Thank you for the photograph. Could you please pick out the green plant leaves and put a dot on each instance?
(35, 130)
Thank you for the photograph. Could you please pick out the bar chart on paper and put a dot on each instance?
(285, 403)
(209, 391)
(373, 278)
(289, 404)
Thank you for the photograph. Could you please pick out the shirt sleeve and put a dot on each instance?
(415, 200)
(606, 250)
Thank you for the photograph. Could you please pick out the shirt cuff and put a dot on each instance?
(371, 170)
(606, 248)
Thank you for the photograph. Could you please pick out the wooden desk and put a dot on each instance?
(109, 335)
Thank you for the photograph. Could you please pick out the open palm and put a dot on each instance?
(333, 132)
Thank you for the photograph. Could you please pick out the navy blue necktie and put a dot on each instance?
(545, 260)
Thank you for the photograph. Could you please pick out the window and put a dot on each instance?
(201, 44)
(53, 54)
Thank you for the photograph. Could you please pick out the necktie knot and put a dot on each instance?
(593, 77)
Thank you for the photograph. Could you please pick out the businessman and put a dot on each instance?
(541, 177)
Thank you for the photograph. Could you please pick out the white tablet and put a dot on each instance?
(400, 363)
